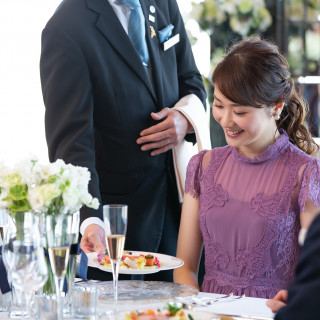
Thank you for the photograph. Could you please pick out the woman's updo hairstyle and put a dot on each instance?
(254, 73)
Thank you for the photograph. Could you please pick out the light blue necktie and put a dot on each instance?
(136, 29)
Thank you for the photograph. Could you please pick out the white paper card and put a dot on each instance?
(151, 18)
(171, 42)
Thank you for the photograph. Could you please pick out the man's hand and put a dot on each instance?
(165, 135)
(279, 301)
(93, 239)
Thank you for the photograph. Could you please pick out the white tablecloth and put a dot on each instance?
(254, 307)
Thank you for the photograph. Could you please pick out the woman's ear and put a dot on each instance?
(277, 109)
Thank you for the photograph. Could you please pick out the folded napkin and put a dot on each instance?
(192, 108)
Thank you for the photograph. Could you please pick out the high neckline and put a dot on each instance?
(272, 152)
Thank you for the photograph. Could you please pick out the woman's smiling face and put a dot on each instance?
(250, 130)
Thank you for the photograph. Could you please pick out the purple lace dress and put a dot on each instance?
(249, 215)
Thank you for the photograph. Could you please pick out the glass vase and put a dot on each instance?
(23, 221)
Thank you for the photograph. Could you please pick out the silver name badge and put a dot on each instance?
(171, 42)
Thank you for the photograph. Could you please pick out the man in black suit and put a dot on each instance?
(107, 111)
(301, 301)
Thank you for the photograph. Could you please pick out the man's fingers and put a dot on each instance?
(158, 128)
(161, 114)
(157, 145)
(99, 247)
(158, 136)
(275, 305)
(93, 239)
(281, 295)
(86, 247)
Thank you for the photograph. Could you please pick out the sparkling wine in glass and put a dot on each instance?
(60, 236)
(59, 257)
(115, 218)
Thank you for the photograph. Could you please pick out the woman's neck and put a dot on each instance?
(254, 150)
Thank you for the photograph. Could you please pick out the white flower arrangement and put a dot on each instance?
(53, 188)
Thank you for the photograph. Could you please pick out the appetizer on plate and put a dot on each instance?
(130, 261)
(173, 311)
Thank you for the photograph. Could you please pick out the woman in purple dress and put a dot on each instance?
(246, 202)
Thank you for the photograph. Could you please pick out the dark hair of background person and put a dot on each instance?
(254, 73)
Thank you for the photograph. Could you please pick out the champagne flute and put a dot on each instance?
(17, 297)
(60, 236)
(115, 218)
(29, 270)
(28, 230)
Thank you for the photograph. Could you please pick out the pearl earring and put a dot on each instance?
(277, 116)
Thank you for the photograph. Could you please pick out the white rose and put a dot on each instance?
(36, 200)
(49, 192)
(26, 169)
(11, 180)
(71, 199)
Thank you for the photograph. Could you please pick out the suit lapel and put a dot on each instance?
(153, 46)
(110, 26)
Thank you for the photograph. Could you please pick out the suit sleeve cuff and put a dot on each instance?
(88, 221)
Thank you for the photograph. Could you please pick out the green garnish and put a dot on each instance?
(173, 307)
(190, 316)
(106, 252)
(149, 256)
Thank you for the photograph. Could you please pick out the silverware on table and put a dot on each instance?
(199, 301)
(184, 303)
(220, 298)
(202, 301)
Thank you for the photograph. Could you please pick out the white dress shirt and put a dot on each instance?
(122, 12)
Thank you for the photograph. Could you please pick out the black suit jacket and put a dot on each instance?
(98, 99)
(304, 292)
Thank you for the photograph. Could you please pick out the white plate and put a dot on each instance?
(166, 262)
(196, 315)
(202, 315)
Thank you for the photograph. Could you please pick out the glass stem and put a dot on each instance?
(59, 286)
(115, 274)
(28, 305)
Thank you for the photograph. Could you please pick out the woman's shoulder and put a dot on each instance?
(204, 158)
(216, 153)
(301, 155)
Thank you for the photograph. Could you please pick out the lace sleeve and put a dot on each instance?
(310, 186)
(193, 176)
